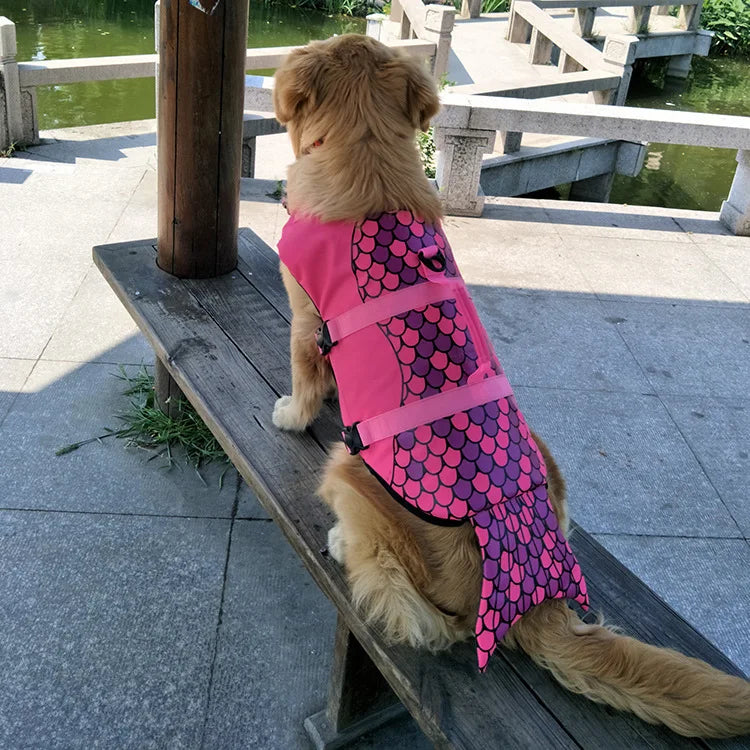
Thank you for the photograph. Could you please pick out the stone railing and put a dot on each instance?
(412, 19)
(466, 127)
(19, 122)
(640, 13)
(531, 22)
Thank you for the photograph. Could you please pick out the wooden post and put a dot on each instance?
(202, 53)
(167, 394)
(359, 698)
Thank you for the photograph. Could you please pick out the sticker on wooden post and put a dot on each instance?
(205, 5)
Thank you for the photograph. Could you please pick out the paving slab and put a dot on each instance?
(95, 327)
(557, 341)
(248, 506)
(114, 142)
(685, 349)
(733, 260)
(13, 374)
(510, 216)
(274, 649)
(32, 305)
(580, 219)
(138, 220)
(651, 270)
(705, 580)
(63, 403)
(46, 252)
(488, 253)
(108, 629)
(718, 432)
(628, 468)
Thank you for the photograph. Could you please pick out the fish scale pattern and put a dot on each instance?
(481, 464)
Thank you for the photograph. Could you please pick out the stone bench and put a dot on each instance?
(225, 343)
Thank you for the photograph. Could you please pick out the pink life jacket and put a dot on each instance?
(426, 403)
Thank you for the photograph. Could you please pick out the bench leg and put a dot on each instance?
(167, 393)
(359, 698)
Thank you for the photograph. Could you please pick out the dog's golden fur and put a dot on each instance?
(418, 581)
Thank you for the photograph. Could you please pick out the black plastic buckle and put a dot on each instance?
(323, 340)
(352, 440)
(434, 263)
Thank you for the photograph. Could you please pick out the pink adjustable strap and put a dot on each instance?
(387, 305)
(427, 410)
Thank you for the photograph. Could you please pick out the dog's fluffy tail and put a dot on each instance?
(660, 685)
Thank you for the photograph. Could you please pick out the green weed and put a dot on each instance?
(146, 426)
(7, 153)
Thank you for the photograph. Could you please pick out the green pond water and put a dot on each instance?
(53, 29)
(687, 176)
(674, 176)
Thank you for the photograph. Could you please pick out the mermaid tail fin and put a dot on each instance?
(526, 559)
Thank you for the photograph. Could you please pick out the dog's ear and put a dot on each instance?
(295, 83)
(422, 100)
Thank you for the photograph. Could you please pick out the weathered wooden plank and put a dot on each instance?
(614, 590)
(455, 707)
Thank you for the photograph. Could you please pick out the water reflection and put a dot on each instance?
(687, 176)
(54, 29)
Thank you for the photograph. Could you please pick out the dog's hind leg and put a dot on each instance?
(387, 571)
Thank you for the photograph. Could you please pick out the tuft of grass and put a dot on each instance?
(7, 153)
(277, 194)
(146, 426)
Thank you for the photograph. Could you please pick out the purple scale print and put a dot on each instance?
(481, 464)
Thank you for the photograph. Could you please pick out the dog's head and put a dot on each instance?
(352, 87)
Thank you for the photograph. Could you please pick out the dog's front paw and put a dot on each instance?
(285, 416)
(336, 543)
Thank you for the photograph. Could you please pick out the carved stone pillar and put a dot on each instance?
(459, 166)
(735, 211)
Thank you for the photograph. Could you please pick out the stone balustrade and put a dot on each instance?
(464, 123)
(531, 22)
(19, 123)
(465, 128)
(429, 23)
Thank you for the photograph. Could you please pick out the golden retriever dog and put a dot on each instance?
(352, 107)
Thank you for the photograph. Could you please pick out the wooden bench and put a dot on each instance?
(225, 342)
